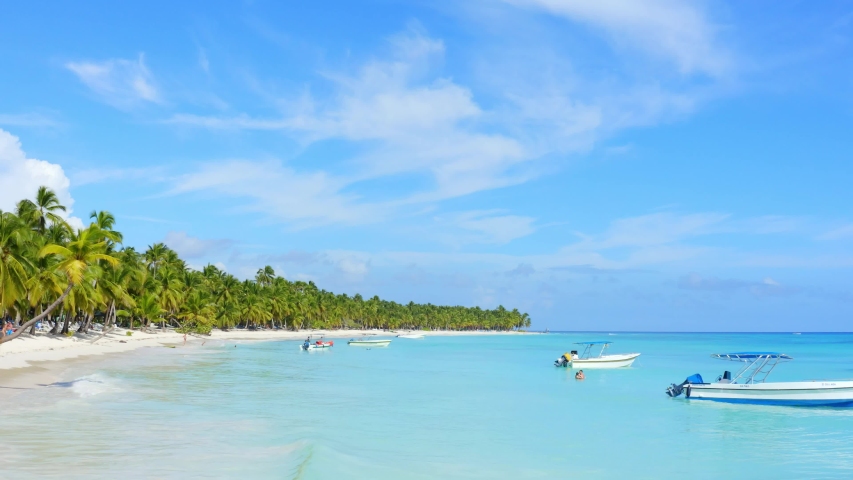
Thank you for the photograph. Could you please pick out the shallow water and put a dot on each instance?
(453, 407)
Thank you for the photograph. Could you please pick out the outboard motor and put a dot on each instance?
(675, 390)
(561, 362)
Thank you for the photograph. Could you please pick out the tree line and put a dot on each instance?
(66, 277)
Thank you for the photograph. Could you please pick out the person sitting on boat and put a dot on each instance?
(579, 375)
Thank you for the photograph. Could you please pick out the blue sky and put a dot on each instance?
(603, 165)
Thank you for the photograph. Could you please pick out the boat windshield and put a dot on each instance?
(757, 365)
(588, 348)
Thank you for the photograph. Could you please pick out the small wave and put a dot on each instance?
(89, 385)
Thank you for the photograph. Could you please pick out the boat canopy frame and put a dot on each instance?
(588, 348)
(757, 365)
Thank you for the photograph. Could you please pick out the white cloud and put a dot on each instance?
(658, 229)
(106, 174)
(765, 288)
(353, 266)
(119, 82)
(842, 232)
(415, 122)
(194, 247)
(522, 270)
(479, 226)
(408, 119)
(674, 29)
(20, 177)
(303, 199)
(27, 120)
(203, 62)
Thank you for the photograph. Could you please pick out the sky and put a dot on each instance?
(665, 165)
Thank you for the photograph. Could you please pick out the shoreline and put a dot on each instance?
(33, 360)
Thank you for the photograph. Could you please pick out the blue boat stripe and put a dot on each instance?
(790, 403)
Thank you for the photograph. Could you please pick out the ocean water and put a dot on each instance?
(454, 407)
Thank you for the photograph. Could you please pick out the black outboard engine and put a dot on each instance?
(675, 390)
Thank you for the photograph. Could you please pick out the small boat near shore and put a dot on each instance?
(411, 335)
(748, 385)
(586, 360)
(318, 345)
(369, 343)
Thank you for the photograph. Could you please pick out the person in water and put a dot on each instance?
(579, 375)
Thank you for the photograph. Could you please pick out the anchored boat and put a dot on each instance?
(586, 360)
(411, 335)
(369, 343)
(319, 344)
(748, 385)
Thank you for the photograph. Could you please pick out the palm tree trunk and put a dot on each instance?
(111, 315)
(55, 329)
(37, 318)
(85, 326)
(67, 324)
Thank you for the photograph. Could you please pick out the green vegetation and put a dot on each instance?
(48, 271)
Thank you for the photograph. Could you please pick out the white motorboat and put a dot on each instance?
(411, 335)
(586, 360)
(748, 385)
(369, 343)
(318, 345)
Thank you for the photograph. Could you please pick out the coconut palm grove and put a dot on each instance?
(69, 280)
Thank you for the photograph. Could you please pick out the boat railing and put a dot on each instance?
(588, 349)
(757, 365)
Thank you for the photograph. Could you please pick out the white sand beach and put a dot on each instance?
(34, 350)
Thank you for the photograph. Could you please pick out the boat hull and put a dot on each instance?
(814, 393)
(605, 361)
(369, 343)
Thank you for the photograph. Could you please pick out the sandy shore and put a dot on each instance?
(28, 350)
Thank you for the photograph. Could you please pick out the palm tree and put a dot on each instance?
(74, 261)
(196, 312)
(105, 221)
(265, 276)
(14, 265)
(148, 308)
(42, 210)
(50, 271)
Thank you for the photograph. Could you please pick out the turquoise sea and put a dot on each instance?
(442, 407)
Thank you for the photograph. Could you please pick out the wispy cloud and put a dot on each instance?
(27, 120)
(105, 174)
(764, 288)
(282, 193)
(677, 30)
(194, 247)
(522, 270)
(203, 61)
(842, 232)
(404, 111)
(478, 226)
(119, 82)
